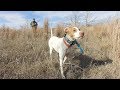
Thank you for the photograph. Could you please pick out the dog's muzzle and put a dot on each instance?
(81, 34)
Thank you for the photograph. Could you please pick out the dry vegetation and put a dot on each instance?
(24, 55)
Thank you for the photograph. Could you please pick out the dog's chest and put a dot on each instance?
(59, 45)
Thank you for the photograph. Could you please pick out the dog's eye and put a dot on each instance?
(79, 29)
(74, 30)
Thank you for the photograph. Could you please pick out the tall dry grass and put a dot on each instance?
(102, 43)
(46, 28)
(60, 29)
(23, 56)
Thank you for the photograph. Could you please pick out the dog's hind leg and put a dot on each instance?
(51, 52)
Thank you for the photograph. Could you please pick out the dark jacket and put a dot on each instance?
(33, 24)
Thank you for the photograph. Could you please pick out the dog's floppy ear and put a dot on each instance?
(66, 30)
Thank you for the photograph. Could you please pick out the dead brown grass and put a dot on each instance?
(102, 42)
(23, 56)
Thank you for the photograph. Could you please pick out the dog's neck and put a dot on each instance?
(68, 41)
(71, 39)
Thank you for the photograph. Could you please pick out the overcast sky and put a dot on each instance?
(19, 18)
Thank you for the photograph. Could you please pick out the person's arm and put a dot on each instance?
(36, 23)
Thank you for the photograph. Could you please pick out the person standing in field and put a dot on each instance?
(34, 25)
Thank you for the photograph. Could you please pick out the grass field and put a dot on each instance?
(25, 56)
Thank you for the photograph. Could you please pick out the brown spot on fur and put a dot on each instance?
(70, 31)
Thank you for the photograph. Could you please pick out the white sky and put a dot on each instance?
(18, 18)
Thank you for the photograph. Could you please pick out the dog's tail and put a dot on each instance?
(51, 32)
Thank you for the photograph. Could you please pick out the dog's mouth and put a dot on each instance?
(82, 35)
(78, 37)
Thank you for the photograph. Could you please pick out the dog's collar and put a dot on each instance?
(68, 42)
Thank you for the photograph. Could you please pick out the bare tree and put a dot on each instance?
(77, 18)
(117, 16)
(89, 18)
(74, 18)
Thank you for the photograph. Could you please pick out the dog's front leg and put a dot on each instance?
(61, 57)
(64, 59)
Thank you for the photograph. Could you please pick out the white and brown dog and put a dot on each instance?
(62, 44)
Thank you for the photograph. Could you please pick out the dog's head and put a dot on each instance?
(74, 32)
